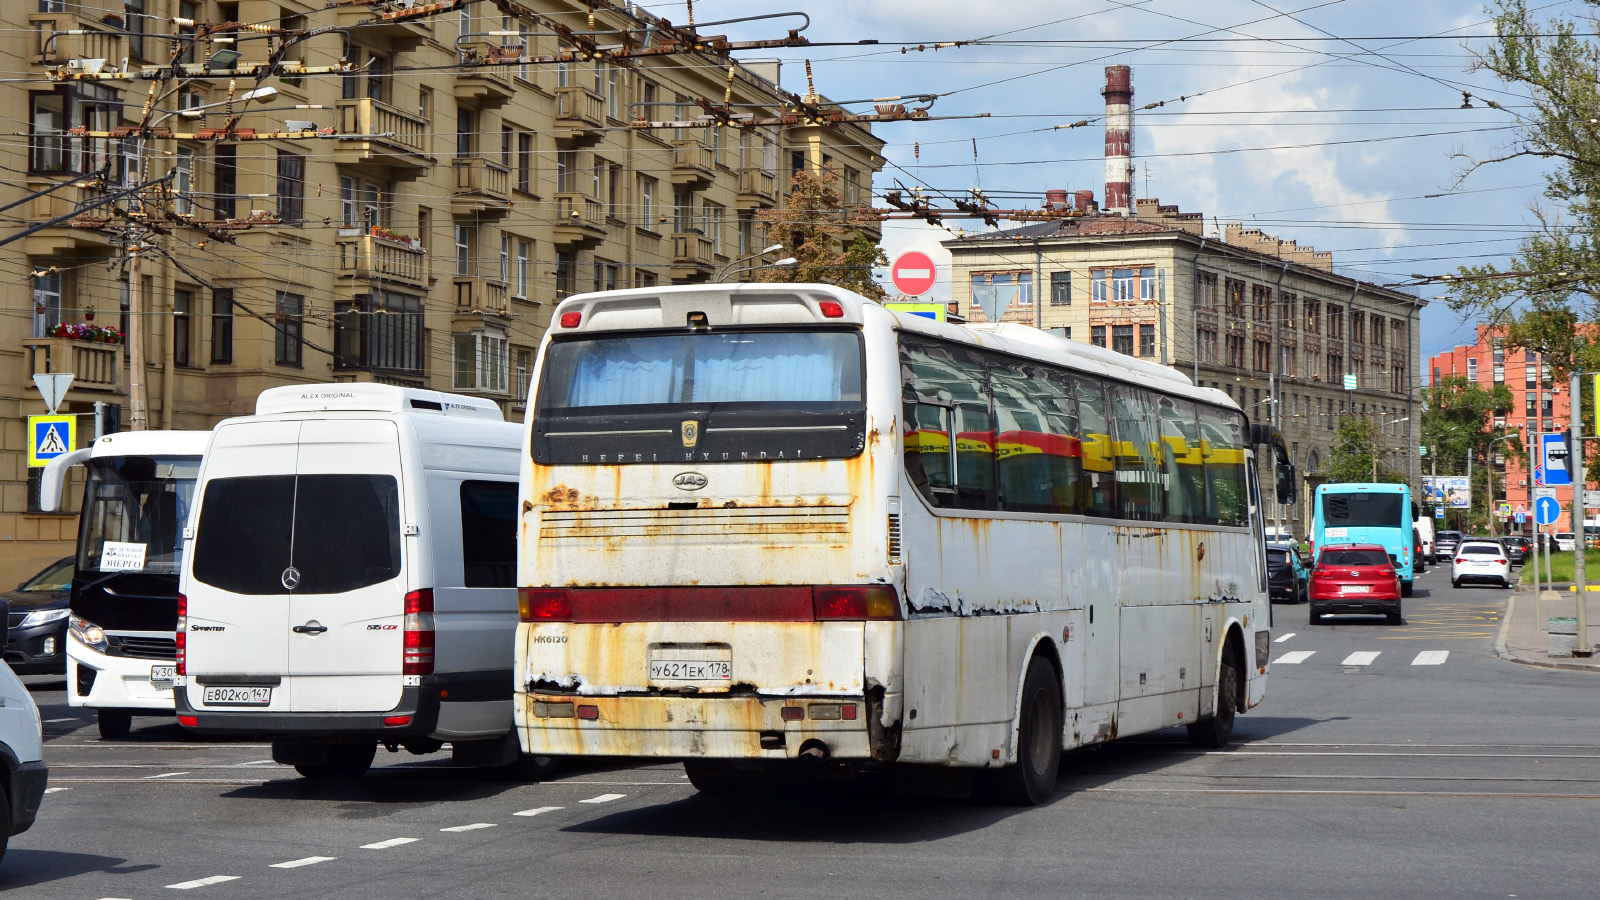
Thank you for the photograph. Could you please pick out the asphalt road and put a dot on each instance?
(1402, 761)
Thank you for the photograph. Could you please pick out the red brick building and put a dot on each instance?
(1488, 364)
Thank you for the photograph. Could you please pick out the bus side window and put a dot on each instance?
(1098, 487)
(1222, 448)
(1182, 468)
(1134, 454)
(974, 454)
(930, 461)
(1036, 450)
(934, 383)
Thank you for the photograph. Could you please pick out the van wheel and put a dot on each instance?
(1033, 779)
(711, 776)
(343, 762)
(5, 821)
(114, 724)
(1215, 730)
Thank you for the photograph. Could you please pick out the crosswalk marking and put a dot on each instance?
(1284, 638)
(1361, 658)
(604, 798)
(1431, 658)
(1294, 657)
(538, 811)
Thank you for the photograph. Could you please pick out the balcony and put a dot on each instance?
(374, 133)
(380, 259)
(482, 188)
(692, 163)
(581, 113)
(61, 239)
(402, 36)
(691, 257)
(95, 367)
(475, 294)
(580, 220)
(100, 42)
(757, 187)
(486, 87)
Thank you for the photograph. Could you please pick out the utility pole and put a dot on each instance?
(1580, 544)
(1537, 443)
(138, 403)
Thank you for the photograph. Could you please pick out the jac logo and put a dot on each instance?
(382, 627)
(689, 481)
(208, 628)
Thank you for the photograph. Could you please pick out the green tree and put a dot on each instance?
(823, 236)
(1457, 425)
(1357, 454)
(1553, 62)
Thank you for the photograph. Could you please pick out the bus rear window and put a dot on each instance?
(1361, 510)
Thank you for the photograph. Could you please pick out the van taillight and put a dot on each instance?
(418, 639)
(831, 309)
(870, 601)
(544, 605)
(179, 639)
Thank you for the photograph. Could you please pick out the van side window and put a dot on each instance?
(489, 533)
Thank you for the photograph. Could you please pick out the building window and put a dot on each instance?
(183, 183)
(1380, 339)
(566, 165)
(1287, 362)
(1313, 313)
(47, 303)
(506, 134)
(463, 244)
(291, 187)
(1335, 322)
(647, 202)
(1122, 339)
(1147, 341)
(1060, 288)
(1233, 296)
(182, 323)
(523, 252)
(1261, 358)
(222, 325)
(1235, 346)
(225, 178)
(1358, 328)
(1003, 289)
(288, 325)
(48, 134)
(566, 271)
(1261, 303)
(605, 276)
(1207, 339)
(136, 26)
(1472, 369)
(1286, 310)
(1311, 365)
(1397, 379)
(381, 331)
(1097, 335)
(466, 131)
(482, 362)
(1530, 376)
(525, 162)
(1335, 366)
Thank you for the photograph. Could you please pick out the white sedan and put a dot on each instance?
(1565, 541)
(1480, 560)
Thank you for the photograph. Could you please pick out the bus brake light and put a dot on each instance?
(544, 605)
(857, 602)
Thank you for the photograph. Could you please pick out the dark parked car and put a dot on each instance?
(1444, 545)
(1517, 549)
(1418, 564)
(36, 641)
(1286, 575)
(1355, 578)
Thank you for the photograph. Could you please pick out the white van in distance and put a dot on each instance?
(351, 580)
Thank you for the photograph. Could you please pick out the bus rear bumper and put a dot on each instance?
(714, 727)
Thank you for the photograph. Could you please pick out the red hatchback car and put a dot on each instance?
(1355, 578)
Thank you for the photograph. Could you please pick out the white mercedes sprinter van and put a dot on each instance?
(351, 578)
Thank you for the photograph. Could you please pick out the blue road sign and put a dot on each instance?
(1438, 513)
(1521, 517)
(1546, 510)
(1553, 449)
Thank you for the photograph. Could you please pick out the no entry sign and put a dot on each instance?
(912, 273)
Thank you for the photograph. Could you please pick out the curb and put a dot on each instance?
(1501, 651)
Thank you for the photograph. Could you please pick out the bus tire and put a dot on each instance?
(1215, 730)
(1032, 780)
(1405, 588)
(711, 776)
(114, 724)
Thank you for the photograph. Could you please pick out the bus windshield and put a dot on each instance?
(134, 512)
(1361, 510)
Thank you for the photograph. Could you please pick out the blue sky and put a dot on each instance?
(1284, 128)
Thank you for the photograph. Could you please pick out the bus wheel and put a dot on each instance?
(114, 724)
(1215, 730)
(1033, 779)
(711, 776)
(1405, 588)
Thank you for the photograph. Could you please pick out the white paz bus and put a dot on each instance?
(765, 527)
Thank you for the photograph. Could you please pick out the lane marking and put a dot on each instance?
(308, 861)
(604, 798)
(540, 810)
(1486, 795)
(202, 882)
(1431, 658)
(1294, 657)
(55, 789)
(473, 827)
(1284, 638)
(1361, 658)
(165, 775)
(391, 842)
(59, 721)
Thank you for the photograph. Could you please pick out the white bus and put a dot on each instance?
(768, 526)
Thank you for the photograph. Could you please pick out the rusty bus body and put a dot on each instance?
(773, 580)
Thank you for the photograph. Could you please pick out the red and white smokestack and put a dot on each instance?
(1119, 140)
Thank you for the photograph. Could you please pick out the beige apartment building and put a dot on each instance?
(1267, 320)
(421, 238)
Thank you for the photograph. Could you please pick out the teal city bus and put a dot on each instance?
(1367, 514)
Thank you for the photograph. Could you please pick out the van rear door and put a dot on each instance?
(347, 608)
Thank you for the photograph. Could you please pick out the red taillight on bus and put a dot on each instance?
(856, 602)
(179, 638)
(544, 605)
(571, 319)
(831, 309)
(417, 655)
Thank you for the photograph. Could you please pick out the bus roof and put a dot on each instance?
(151, 443)
(1352, 487)
(784, 303)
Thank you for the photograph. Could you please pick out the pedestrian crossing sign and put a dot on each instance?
(50, 437)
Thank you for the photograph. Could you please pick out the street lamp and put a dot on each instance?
(738, 262)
